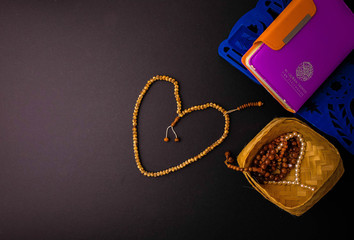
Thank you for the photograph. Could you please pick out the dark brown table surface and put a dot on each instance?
(70, 74)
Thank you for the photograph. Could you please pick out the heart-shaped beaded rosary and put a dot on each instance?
(180, 113)
(275, 160)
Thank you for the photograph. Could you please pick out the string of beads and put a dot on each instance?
(246, 105)
(180, 113)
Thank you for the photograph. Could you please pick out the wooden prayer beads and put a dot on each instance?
(180, 113)
(275, 160)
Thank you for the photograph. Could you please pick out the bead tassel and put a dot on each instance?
(250, 104)
(246, 105)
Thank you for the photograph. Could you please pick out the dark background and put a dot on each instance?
(70, 74)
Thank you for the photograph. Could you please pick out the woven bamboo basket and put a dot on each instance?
(321, 167)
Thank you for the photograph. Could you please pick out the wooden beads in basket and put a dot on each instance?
(275, 160)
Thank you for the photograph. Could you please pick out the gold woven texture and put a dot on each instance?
(321, 167)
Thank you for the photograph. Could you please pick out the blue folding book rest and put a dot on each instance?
(331, 108)
(247, 29)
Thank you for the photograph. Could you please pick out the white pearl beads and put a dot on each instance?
(298, 162)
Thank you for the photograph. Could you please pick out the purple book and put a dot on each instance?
(301, 48)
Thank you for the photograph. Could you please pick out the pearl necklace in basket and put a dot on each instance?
(298, 162)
